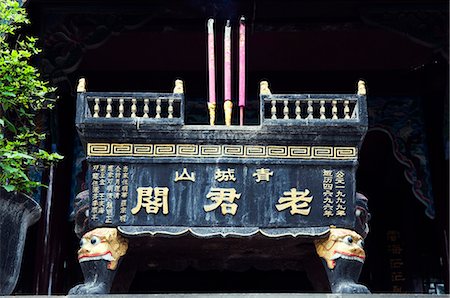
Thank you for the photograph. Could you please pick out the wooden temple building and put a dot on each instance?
(130, 50)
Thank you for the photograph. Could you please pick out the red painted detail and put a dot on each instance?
(94, 255)
(350, 254)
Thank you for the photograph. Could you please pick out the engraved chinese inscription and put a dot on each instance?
(223, 197)
(184, 176)
(123, 191)
(225, 175)
(327, 185)
(296, 201)
(334, 196)
(108, 184)
(152, 200)
(262, 174)
(339, 179)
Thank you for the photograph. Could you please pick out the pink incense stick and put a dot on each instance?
(211, 62)
(227, 61)
(241, 69)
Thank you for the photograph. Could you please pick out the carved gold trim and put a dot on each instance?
(98, 149)
(300, 151)
(142, 150)
(255, 151)
(343, 151)
(233, 150)
(187, 150)
(122, 149)
(165, 150)
(277, 151)
(323, 152)
(239, 151)
(210, 150)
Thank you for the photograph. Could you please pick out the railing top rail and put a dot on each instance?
(310, 97)
(130, 95)
(119, 107)
(293, 109)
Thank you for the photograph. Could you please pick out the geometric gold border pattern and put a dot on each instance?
(240, 151)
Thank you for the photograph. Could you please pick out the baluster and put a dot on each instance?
(346, 110)
(310, 110)
(146, 108)
(286, 110)
(108, 107)
(121, 107)
(170, 109)
(133, 107)
(298, 110)
(334, 109)
(322, 109)
(96, 107)
(158, 108)
(273, 110)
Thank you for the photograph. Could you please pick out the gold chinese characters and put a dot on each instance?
(152, 199)
(184, 176)
(109, 183)
(224, 175)
(222, 191)
(223, 197)
(333, 185)
(297, 201)
(262, 174)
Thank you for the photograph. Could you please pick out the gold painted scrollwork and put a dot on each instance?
(214, 150)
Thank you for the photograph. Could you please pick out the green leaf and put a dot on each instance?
(57, 156)
(23, 94)
(7, 93)
(18, 155)
(10, 126)
(9, 188)
(8, 169)
(23, 175)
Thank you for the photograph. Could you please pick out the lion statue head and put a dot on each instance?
(102, 244)
(341, 243)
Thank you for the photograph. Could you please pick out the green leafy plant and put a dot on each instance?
(23, 97)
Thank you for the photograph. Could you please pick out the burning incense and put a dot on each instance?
(241, 70)
(211, 73)
(227, 61)
(228, 105)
